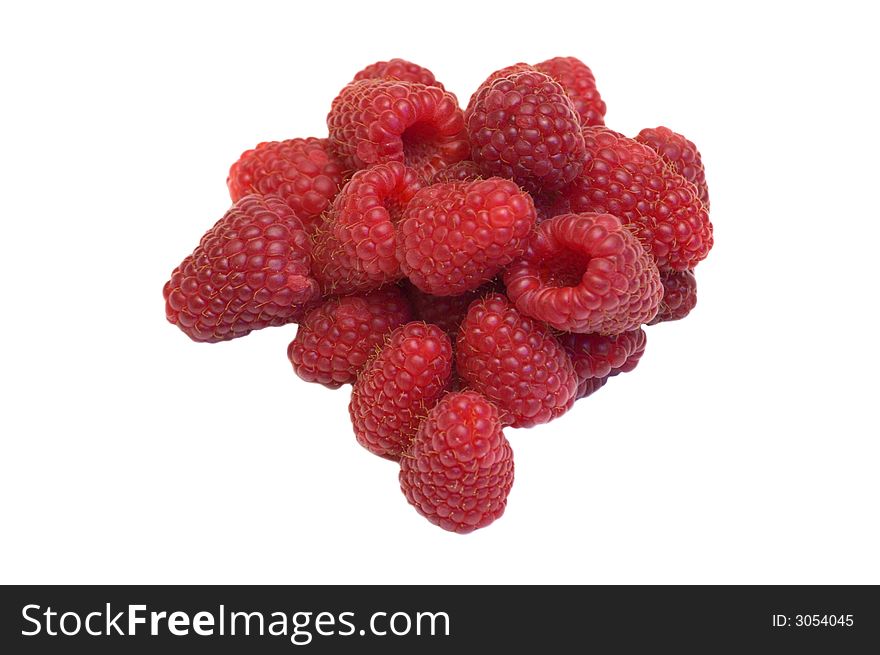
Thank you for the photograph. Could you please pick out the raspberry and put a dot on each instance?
(398, 69)
(447, 312)
(631, 181)
(249, 271)
(679, 296)
(355, 248)
(398, 387)
(596, 357)
(463, 171)
(522, 125)
(682, 155)
(377, 121)
(585, 273)
(300, 171)
(454, 236)
(589, 386)
(335, 339)
(459, 470)
(515, 362)
(579, 83)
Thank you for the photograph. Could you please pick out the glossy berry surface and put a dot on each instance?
(398, 69)
(300, 171)
(579, 83)
(251, 270)
(515, 361)
(681, 154)
(335, 340)
(459, 470)
(585, 273)
(455, 236)
(679, 296)
(396, 389)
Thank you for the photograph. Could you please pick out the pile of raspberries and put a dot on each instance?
(464, 270)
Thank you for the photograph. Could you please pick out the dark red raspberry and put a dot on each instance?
(596, 357)
(397, 388)
(459, 470)
(355, 248)
(679, 296)
(585, 273)
(445, 311)
(463, 171)
(679, 153)
(579, 83)
(378, 121)
(398, 69)
(589, 386)
(631, 181)
(523, 126)
(335, 339)
(514, 361)
(300, 171)
(250, 271)
(455, 236)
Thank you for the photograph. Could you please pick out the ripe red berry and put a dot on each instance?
(378, 121)
(250, 271)
(459, 470)
(455, 236)
(398, 69)
(355, 247)
(629, 180)
(579, 83)
(462, 171)
(335, 339)
(681, 154)
(585, 273)
(596, 356)
(397, 388)
(589, 386)
(523, 126)
(679, 296)
(514, 361)
(301, 171)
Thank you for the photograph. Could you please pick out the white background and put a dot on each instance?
(743, 448)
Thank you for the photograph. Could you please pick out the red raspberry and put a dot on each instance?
(631, 181)
(455, 236)
(355, 248)
(679, 296)
(682, 155)
(335, 339)
(515, 362)
(398, 387)
(463, 171)
(579, 83)
(596, 357)
(447, 312)
(459, 470)
(249, 271)
(523, 126)
(300, 171)
(589, 386)
(377, 121)
(398, 69)
(585, 273)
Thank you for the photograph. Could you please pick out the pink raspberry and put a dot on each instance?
(398, 69)
(335, 339)
(681, 154)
